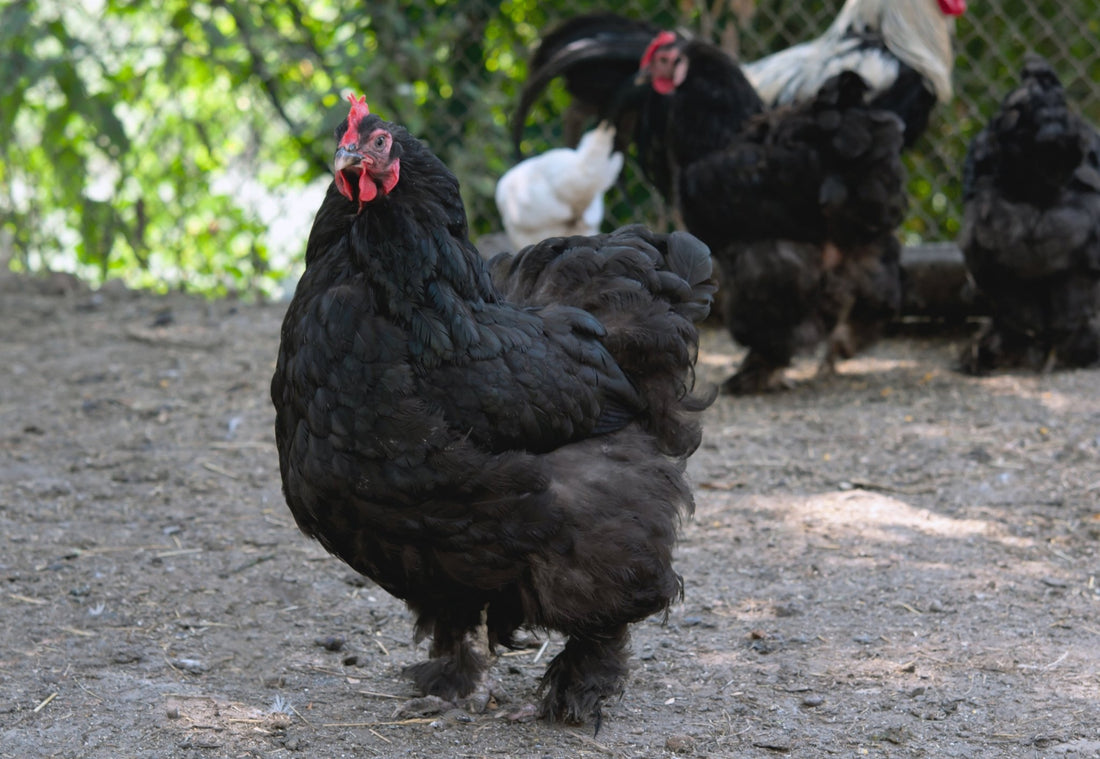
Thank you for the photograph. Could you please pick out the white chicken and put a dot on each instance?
(559, 192)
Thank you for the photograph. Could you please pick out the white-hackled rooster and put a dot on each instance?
(901, 48)
(560, 192)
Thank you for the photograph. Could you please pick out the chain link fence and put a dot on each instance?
(260, 85)
(992, 39)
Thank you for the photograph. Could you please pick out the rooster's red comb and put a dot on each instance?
(664, 38)
(359, 110)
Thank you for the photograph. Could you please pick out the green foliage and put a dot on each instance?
(133, 133)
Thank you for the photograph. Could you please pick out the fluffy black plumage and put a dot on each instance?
(1031, 229)
(799, 206)
(506, 438)
(702, 112)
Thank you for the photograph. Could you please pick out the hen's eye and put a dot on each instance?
(379, 141)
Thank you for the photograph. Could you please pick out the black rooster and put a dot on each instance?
(1031, 229)
(503, 439)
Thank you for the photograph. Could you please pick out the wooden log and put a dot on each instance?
(936, 285)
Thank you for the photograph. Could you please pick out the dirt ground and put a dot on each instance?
(900, 561)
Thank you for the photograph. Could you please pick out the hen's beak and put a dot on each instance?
(346, 158)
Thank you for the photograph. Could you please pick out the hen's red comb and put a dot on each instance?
(359, 110)
(664, 38)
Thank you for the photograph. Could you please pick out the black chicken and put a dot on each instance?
(1031, 229)
(503, 439)
(901, 49)
(799, 204)
(691, 99)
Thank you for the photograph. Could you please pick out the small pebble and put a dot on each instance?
(173, 712)
(330, 642)
(194, 666)
(680, 744)
(526, 713)
(813, 700)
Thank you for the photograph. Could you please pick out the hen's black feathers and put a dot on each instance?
(507, 437)
(706, 112)
(799, 206)
(1031, 229)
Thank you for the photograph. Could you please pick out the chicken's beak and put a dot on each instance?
(346, 158)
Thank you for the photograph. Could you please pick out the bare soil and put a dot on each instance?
(897, 561)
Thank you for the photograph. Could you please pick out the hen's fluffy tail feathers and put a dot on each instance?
(1034, 144)
(648, 290)
(596, 148)
(829, 169)
(863, 191)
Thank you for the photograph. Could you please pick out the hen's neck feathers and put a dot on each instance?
(410, 245)
(712, 104)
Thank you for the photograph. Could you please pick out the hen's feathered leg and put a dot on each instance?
(456, 665)
(757, 373)
(590, 669)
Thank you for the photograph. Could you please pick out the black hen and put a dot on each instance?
(1031, 229)
(505, 439)
(691, 99)
(799, 206)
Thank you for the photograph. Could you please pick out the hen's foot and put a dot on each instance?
(449, 677)
(583, 676)
(485, 697)
(756, 375)
(842, 344)
(756, 380)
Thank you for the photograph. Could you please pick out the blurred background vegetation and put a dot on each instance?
(186, 144)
